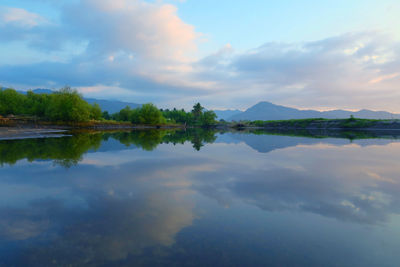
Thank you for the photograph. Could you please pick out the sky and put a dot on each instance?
(224, 54)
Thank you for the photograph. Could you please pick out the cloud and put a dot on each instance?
(18, 17)
(148, 49)
(314, 178)
(135, 28)
(329, 73)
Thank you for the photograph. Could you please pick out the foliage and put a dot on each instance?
(197, 117)
(208, 118)
(197, 111)
(67, 105)
(147, 114)
(106, 115)
(178, 116)
(11, 102)
(63, 105)
(95, 113)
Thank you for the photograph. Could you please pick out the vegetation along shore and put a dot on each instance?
(21, 113)
(66, 108)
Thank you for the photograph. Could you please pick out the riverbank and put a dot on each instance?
(322, 124)
(21, 129)
(11, 133)
(26, 132)
(23, 122)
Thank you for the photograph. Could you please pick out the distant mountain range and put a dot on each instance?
(269, 111)
(227, 114)
(112, 106)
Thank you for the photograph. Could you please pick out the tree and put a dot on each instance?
(150, 114)
(197, 111)
(67, 105)
(106, 115)
(95, 113)
(11, 102)
(36, 104)
(125, 114)
(208, 118)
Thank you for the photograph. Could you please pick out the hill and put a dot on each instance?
(268, 111)
(226, 114)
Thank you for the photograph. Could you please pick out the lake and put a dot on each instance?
(200, 198)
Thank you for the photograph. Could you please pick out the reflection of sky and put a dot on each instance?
(119, 206)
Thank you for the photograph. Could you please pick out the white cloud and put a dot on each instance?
(148, 30)
(147, 49)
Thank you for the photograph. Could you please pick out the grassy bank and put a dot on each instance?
(320, 123)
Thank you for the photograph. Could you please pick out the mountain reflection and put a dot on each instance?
(67, 151)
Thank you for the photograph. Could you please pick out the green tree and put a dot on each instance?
(36, 104)
(150, 114)
(106, 115)
(208, 118)
(95, 113)
(12, 102)
(197, 111)
(67, 105)
(124, 114)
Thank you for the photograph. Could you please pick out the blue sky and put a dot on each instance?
(247, 24)
(225, 54)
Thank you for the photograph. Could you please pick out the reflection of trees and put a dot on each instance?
(67, 151)
(147, 140)
(197, 136)
(150, 139)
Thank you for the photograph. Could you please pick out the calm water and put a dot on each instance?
(200, 199)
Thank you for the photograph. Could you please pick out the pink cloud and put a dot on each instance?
(19, 17)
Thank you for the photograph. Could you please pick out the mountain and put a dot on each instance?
(112, 106)
(226, 114)
(269, 111)
(41, 91)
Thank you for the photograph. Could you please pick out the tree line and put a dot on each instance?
(68, 105)
(150, 114)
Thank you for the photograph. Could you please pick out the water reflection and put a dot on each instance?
(68, 150)
(93, 215)
(255, 199)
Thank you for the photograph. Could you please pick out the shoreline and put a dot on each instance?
(25, 131)
(15, 133)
